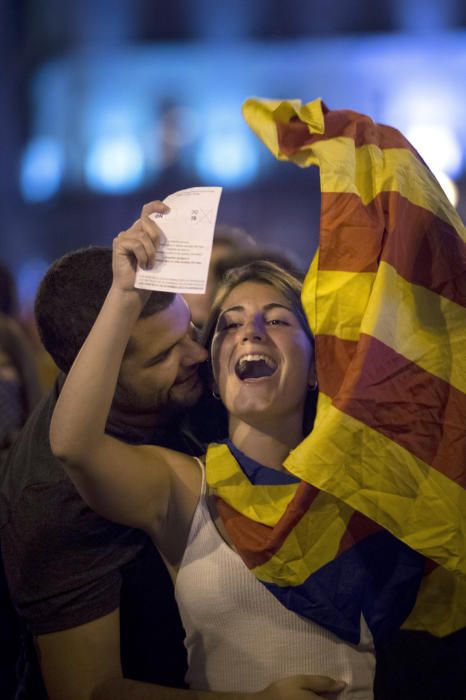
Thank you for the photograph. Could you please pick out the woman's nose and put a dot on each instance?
(253, 330)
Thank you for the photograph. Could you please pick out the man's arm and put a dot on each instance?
(293, 688)
(83, 663)
(75, 661)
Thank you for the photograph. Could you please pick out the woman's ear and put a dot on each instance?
(213, 385)
(214, 390)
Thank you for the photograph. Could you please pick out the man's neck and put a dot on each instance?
(131, 426)
(139, 427)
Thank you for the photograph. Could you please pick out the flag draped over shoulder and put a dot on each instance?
(383, 472)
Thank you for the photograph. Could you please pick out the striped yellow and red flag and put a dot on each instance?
(386, 299)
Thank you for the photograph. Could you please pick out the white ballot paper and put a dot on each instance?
(182, 260)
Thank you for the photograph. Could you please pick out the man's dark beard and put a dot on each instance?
(132, 421)
(127, 402)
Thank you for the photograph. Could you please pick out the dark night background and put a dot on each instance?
(105, 105)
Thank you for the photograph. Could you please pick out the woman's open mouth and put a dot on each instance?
(255, 366)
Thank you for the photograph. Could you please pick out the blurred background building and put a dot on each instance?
(105, 104)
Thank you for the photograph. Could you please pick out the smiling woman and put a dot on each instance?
(262, 357)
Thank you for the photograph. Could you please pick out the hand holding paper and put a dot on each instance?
(182, 260)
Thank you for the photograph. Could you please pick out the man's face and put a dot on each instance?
(159, 372)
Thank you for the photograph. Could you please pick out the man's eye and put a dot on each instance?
(229, 325)
(160, 358)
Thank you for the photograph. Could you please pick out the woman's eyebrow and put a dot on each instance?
(266, 307)
(276, 305)
(231, 308)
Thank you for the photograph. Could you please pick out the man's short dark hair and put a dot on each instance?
(70, 297)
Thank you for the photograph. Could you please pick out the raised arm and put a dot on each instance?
(126, 483)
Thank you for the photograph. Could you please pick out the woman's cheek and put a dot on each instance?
(218, 359)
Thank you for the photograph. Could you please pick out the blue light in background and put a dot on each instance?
(41, 169)
(448, 186)
(124, 118)
(114, 165)
(423, 16)
(439, 146)
(28, 278)
(228, 158)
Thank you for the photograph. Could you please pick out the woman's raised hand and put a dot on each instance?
(136, 246)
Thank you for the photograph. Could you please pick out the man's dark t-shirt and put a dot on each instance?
(66, 566)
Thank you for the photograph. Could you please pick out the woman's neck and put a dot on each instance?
(266, 446)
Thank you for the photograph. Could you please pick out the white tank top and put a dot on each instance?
(240, 638)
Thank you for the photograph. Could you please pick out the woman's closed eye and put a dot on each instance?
(277, 322)
(226, 324)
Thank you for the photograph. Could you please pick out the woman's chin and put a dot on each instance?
(247, 407)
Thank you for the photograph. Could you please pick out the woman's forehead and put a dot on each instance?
(254, 293)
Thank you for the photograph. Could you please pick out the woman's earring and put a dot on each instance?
(215, 395)
(313, 387)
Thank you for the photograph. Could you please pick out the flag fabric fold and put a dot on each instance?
(382, 475)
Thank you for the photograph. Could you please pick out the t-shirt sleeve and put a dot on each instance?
(63, 562)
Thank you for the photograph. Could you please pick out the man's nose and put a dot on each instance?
(195, 353)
